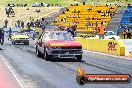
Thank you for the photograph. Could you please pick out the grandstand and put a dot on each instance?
(86, 17)
(126, 21)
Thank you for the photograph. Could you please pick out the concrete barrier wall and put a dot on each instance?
(114, 47)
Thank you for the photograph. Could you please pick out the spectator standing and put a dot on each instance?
(43, 24)
(7, 9)
(22, 24)
(34, 34)
(78, 13)
(105, 24)
(28, 25)
(96, 25)
(1, 36)
(37, 23)
(83, 1)
(101, 29)
(32, 24)
(12, 12)
(10, 33)
(18, 23)
(6, 23)
(74, 29)
(43, 28)
(128, 34)
(124, 34)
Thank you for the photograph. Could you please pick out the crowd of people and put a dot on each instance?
(18, 5)
(73, 29)
(45, 5)
(39, 23)
(30, 25)
(108, 13)
(42, 23)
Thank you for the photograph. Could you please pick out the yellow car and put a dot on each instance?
(20, 38)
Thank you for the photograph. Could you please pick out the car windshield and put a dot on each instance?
(58, 36)
(110, 33)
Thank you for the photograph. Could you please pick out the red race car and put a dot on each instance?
(58, 44)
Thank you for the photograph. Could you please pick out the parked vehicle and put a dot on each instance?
(110, 35)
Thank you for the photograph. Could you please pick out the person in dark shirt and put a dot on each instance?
(74, 30)
(1, 36)
(6, 23)
(10, 33)
(18, 23)
(84, 3)
(128, 34)
(22, 24)
(124, 34)
(28, 25)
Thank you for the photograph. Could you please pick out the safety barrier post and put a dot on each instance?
(130, 54)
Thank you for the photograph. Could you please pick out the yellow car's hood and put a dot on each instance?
(20, 36)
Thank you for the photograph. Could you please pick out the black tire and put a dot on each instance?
(1, 43)
(81, 80)
(13, 43)
(45, 55)
(38, 52)
(79, 57)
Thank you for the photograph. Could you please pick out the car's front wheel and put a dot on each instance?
(79, 57)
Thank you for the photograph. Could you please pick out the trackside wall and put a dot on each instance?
(114, 47)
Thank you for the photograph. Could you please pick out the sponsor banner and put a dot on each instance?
(104, 78)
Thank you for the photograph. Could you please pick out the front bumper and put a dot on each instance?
(64, 53)
(21, 41)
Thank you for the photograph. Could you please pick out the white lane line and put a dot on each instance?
(14, 73)
(122, 57)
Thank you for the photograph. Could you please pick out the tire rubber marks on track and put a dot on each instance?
(99, 66)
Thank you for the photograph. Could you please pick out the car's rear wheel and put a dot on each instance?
(38, 52)
(79, 57)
